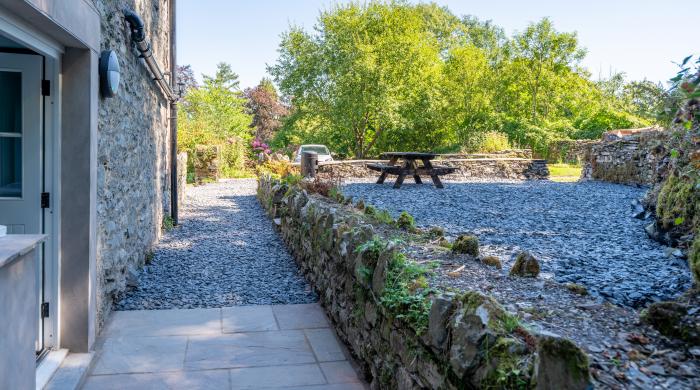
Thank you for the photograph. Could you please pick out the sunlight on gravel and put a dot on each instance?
(581, 232)
(225, 252)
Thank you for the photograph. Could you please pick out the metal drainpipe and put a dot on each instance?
(138, 35)
(173, 115)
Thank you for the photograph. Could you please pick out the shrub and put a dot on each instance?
(319, 186)
(406, 221)
(492, 261)
(233, 158)
(467, 245)
(494, 141)
(436, 232)
(276, 168)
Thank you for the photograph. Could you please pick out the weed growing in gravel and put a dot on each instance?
(168, 223)
(406, 221)
(148, 259)
(335, 194)
(383, 216)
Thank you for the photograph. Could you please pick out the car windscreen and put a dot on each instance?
(317, 149)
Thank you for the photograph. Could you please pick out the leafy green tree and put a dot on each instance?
(215, 114)
(364, 70)
(389, 75)
(543, 54)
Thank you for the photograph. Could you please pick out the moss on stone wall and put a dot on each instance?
(404, 333)
(677, 205)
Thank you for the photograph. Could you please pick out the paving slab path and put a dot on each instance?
(225, 252)
(233, 310)
(242, 347)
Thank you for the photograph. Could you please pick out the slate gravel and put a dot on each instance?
(581, 232)
(224, 253)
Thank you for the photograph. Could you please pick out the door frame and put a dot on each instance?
(51, 51)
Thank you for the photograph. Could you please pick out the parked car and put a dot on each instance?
(323, 153)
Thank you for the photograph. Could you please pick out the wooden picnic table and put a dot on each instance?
(410, 167)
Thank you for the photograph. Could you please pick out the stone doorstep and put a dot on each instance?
(48, 366)
(72, 373)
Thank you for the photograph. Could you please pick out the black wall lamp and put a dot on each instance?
(109, 73)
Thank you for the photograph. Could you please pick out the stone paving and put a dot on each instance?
(242, 347)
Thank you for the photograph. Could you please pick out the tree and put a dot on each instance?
(360, 76)
(214, 112)
(185, 78)
(545, 54)
(266, 108)
(386, 75)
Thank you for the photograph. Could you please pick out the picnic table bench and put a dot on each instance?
(410, 167)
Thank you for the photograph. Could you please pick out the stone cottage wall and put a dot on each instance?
(466, 343)
(641, 158)
(133, 185)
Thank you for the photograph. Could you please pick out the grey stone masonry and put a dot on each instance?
(133, 183)
(639, 158)
(467, 343)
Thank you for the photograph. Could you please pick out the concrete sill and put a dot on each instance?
(72, 372)
(48, 366)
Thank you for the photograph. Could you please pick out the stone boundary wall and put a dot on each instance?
(570, 151)
(467, 343)
(510, 153)
(476, 168)
(638, 159)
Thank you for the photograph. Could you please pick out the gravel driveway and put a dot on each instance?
(580, 232)
(224, 253)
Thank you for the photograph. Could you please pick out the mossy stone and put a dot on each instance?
(406, 221)
(525, 265)
(694, 258)
(466, 245)
(436, 232)
(560, 364)
(576, 288)
(492, 261)
(672, 320)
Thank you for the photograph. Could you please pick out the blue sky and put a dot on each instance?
(639, 37)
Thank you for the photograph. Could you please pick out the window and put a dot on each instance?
(10, 134)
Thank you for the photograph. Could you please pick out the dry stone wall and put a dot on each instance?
(641, 158)
(468, 342)
(133, 184)
(570, 151)
(474, 168)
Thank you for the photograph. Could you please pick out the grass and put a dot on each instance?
(564, 172)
